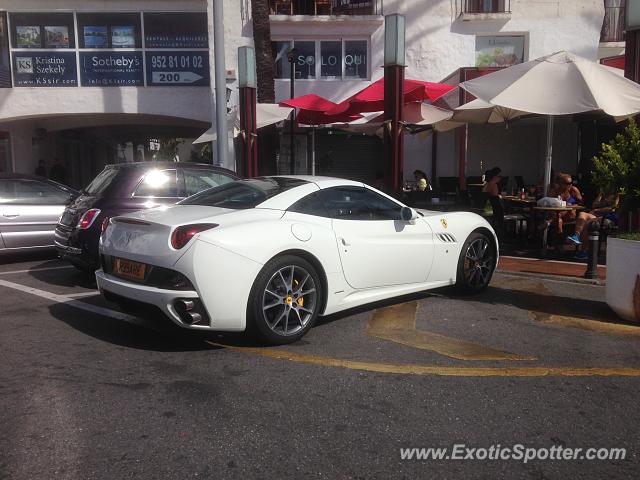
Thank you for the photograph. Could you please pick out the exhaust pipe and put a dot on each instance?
(184, 309)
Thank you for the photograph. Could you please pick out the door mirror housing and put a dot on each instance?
(407, 214)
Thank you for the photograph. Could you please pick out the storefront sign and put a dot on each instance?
(499, 51)
(44, 69)
(177, 68)
(111, 69)
(176, 41)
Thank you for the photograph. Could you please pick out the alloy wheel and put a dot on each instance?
(289, 300)
(478, 263)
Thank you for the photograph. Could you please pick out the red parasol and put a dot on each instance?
(313, 110)
(371, 98)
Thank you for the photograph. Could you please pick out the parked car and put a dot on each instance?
(30, 207)
(273, 253)
(125, 188)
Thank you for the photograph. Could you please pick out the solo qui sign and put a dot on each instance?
(45, 69)
(111, 69)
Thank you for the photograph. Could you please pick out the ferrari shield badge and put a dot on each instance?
(443, 222)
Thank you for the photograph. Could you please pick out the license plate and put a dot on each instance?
(129, 269)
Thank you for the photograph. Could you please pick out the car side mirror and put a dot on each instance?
(407, 214)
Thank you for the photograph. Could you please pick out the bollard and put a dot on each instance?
(594, 249)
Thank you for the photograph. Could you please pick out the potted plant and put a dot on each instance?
(617, 170)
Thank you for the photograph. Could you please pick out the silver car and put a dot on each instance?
(30, 207)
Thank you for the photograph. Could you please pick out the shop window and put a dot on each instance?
(5, 68)
(331, 59)
(282, 66)
(176, 30)
(325, 59)
(42, 30)
(305, 59)
(109, 30)
(355, 59)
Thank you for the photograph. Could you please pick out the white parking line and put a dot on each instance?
(82, 294)
(35, 270)
(66, 299)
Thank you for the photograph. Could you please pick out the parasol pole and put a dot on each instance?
(313, 149)
(548, 160)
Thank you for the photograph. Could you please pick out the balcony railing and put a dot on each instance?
(486, 6)
(325, 7)
(614, 21)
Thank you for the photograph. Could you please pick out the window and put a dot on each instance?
(158, 183)
(358, 203)
(243, 194)
(499, 51)
(326, 59)
(280, 50)
(305, 59)
(197, 180)
(101, 182)
(312, 204)
(5, 69)
(176, 30)
(330, 55)
(49, 30)
(355, 59)
(109, 30)
(31, 192)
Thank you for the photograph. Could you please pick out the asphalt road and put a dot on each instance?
(85, 394)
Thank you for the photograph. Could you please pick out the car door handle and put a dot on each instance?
(345, 242)
(10, 215)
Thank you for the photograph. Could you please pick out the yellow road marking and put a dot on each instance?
(414, 369)
(591, 325)
(397, 323)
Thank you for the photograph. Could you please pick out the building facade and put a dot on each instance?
(92, 82)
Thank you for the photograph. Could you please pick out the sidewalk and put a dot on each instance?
(571, 271)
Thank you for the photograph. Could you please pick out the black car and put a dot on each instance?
(125, 188)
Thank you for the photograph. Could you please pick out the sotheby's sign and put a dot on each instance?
(44, 69)
(111, 69)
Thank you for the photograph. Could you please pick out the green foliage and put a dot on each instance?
(630, 236)
(617, 168)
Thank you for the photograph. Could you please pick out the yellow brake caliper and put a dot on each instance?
(300, 299)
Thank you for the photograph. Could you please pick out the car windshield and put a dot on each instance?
(243, 194)
(101, 182)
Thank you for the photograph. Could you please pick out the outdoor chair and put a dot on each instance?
(448, 187)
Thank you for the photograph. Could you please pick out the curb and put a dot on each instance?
(557, 278)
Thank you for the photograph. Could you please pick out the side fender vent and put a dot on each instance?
(446, 237)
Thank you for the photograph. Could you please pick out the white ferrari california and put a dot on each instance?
(270, 254)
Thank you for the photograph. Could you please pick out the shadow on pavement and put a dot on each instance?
(157, 334)
(70, 277)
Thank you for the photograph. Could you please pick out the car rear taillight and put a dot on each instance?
(181, 235)
(88, 218)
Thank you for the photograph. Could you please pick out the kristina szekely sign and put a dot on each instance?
(45, 69)
(187, 68)
(111, 69)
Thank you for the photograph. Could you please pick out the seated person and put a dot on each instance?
(604, 208)
(422, 182)
(492, 180)
(563, 188)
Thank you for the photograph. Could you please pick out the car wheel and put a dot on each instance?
(285, 300)
(476, 263)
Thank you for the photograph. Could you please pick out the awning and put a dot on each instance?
(266, 114)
